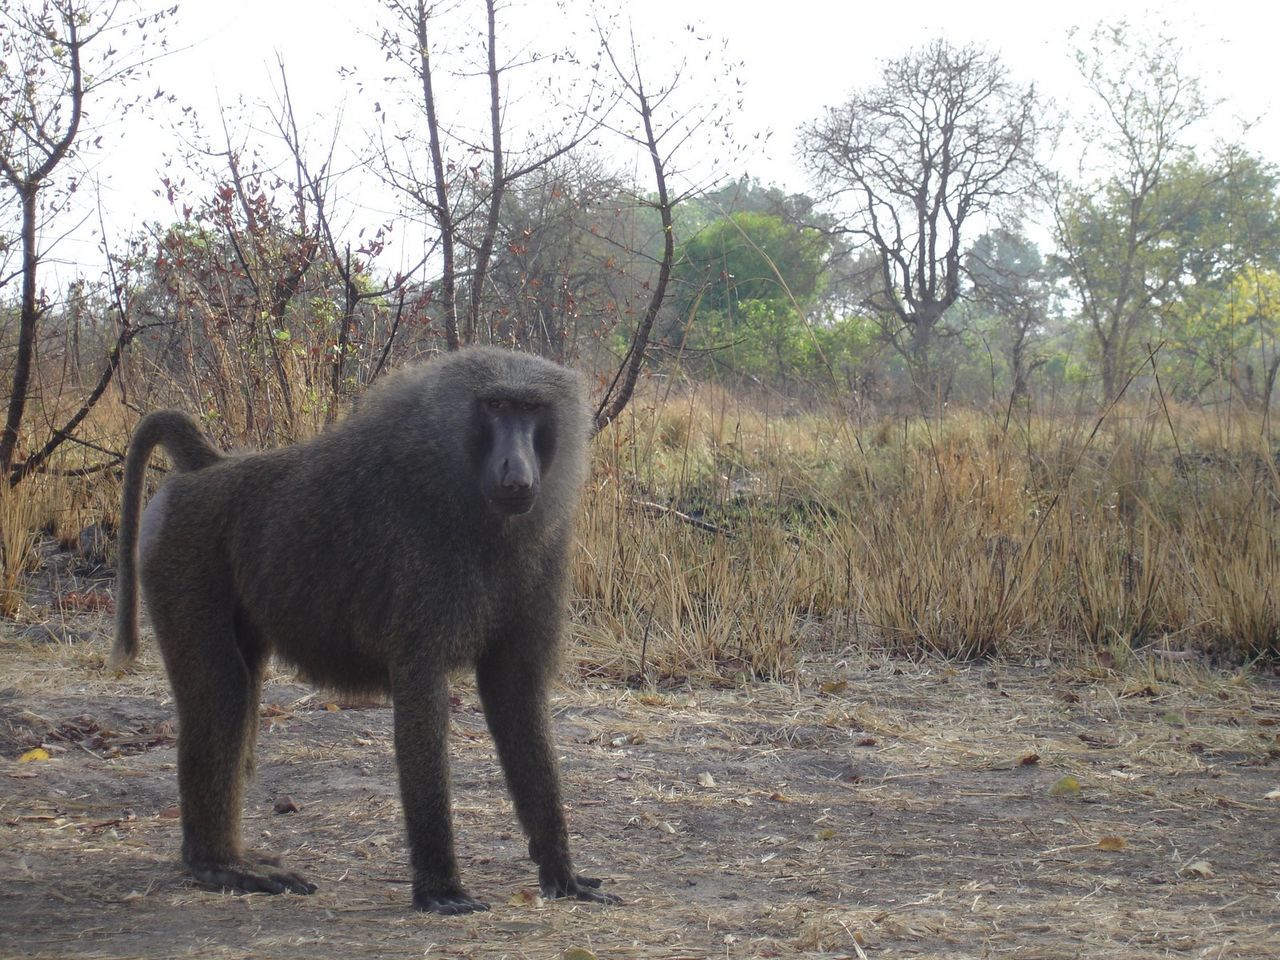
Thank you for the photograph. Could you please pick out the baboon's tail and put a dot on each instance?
(189, 450)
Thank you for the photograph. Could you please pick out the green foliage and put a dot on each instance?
(753, 256)
(745, 283)
(1163, 266)
(1228, 333)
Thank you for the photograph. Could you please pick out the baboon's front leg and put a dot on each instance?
(421, 709)
(514, 698)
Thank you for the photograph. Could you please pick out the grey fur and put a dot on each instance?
(378, 556)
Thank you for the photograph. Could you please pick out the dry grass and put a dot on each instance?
(18, 536)
(969, 536)
(718, 532)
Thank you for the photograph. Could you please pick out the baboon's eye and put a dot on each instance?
(530, 406)
(495, 404)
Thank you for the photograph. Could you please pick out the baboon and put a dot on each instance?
(428, 531)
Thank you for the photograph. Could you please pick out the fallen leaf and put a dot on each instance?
(577, 953)
(1067, 786)
(524, 898)
(286, 804)
(1112, 844)
(706, 780)
(1198, 868)
(169, 813)
(332, 707)
(779, 798)
(37, 753)
(866, 742)
(829, 687)
(826, 833)
(1029, 759)
(1273, 795)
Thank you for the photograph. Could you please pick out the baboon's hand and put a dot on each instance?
(261, 875)
(575, 886)
(447, 902)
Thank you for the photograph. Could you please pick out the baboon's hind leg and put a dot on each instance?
(216, 682)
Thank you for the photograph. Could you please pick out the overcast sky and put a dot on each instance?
(798, 56)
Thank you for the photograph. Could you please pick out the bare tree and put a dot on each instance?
(650, 138)
(312, 187)
(659, 122)
(945, 138)
(561, 271)
(470, 172)
(43, 88)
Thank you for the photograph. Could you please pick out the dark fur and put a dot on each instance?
(370, 559)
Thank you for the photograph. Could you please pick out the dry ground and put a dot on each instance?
(870, 809)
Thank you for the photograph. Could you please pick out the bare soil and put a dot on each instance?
(871, 808)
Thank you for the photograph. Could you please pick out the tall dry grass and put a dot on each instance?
(722, 535)
(719, 535)
(19, 530)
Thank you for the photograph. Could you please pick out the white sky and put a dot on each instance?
(799, 56)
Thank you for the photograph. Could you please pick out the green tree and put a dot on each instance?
(1164, 266)
(746, 281)
(1233, 336)
(1217, 323)
(753, 256)
(1011, 280)
(1121, 235)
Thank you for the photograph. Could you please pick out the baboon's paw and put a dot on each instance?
(448, 903)
(260, 875)
(578, 888)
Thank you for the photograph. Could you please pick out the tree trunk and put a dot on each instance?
(1110, 378)
(1017, 370)
(1268, 384)
(920, 363)
(28, 317)
(443, 212)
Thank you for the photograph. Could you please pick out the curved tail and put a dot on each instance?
(189, 450)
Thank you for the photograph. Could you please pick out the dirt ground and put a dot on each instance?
(872, 808)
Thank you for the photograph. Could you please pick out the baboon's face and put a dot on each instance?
(516, 446)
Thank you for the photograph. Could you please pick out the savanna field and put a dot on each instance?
(984, 684)
(925, 593)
